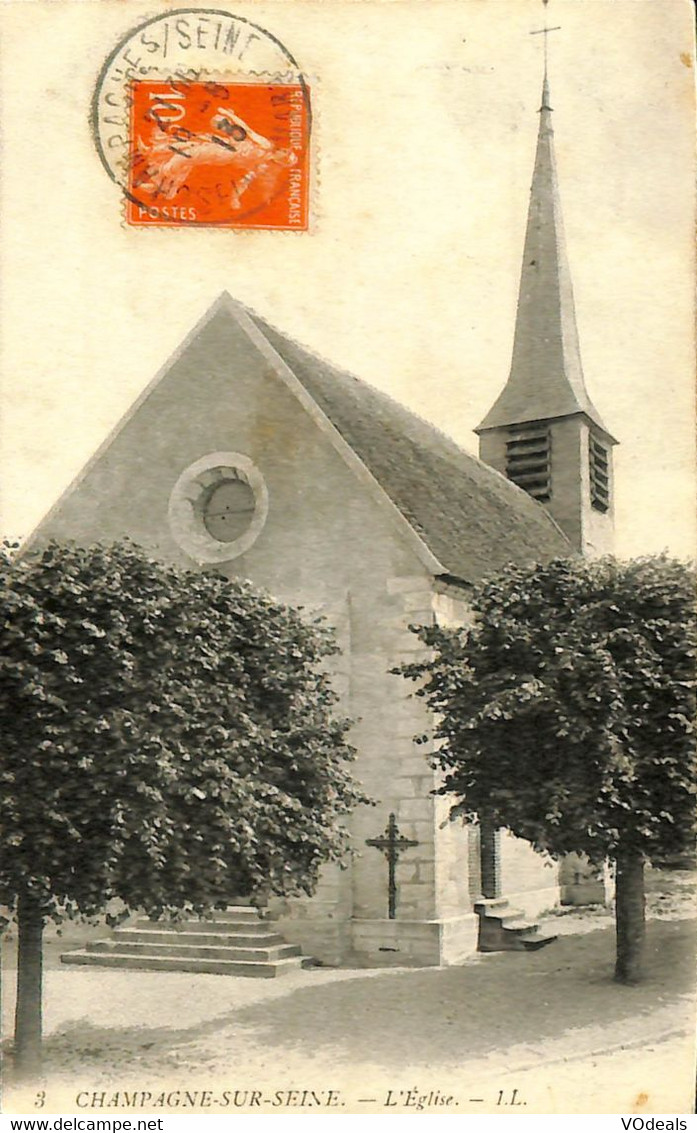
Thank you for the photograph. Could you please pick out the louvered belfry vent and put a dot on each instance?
(528, 463)
(599, 475)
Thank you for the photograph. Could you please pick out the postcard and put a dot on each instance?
(331, 309)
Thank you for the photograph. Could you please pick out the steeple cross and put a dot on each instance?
(545, 32)
(391, 843)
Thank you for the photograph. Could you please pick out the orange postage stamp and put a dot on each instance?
(223, 154)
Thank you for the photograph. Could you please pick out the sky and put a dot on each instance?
(425, 121)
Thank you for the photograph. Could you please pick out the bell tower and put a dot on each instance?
(543, 431)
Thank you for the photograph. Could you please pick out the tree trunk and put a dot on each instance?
(629, 917)
(29, 987)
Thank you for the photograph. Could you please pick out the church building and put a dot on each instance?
(249, 452)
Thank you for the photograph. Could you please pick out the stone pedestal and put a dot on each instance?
(582, 883)
(413, 943)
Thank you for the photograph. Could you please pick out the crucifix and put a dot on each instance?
(391, 843)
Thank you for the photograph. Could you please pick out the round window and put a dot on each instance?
(218, 507)
(228, 511)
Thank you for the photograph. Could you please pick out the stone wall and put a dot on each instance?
(528, 879)
(433, 922)
(347, 920)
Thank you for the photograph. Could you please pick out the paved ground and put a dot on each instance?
(552, 1025)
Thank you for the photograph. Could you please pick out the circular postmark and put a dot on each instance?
(203, 117)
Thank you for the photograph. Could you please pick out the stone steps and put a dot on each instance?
(194, 951)
(506, 929)
(234, 913)
(237, 942)
(532, 941)
(260, 970)
(204, 928)
(183, 936)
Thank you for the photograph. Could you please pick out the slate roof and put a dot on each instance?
(472, 518)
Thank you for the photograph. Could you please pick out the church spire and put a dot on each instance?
(546, 377)
(543, 431)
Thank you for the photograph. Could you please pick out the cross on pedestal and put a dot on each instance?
(391, 843)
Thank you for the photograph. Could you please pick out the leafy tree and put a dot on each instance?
(169, 740)
(566, 713)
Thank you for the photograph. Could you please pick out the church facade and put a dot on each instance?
(251, 453)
